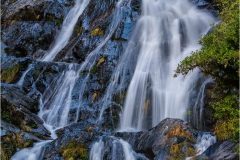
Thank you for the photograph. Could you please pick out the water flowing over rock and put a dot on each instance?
(76, 74)
(66, 30)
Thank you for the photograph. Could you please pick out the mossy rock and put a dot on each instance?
(97, 32)
(13, 141)
(11, 115)
(8, 75)
(74, 150)
(94, 70)
(178, 131)
(178, 153)
(78, 30)
(53, 18)
(36, 74)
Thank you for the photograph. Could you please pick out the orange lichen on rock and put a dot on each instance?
(178, 131)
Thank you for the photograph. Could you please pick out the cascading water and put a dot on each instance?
(167, 32)
(66, 30)
(96, 152)
(92, 57)
(30, 153)
(56, 100)
(59, 101)
(204, 140)
(58, 108)
(54, 110)
(119, 148)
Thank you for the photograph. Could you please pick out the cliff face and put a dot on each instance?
(29, 29)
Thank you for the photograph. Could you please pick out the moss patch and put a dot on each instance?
(178, 153)
(74, 150)
(97, 32)
(78, 29)
(178, 131)
(11, 115)
(93, 70)
(11, 142)
(8, 75)
(53, 18)
(36, 74)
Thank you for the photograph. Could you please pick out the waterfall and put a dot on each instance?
(119, 149)
(66, 30)
(166, 33)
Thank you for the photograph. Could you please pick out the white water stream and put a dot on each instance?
(66, 30)
(20, 82)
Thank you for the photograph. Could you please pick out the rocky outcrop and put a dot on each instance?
(159, 141)
(171, 138)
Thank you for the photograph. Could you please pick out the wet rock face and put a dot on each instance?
(31, 25)
(156, 143)
(20, 126)
(30, 28)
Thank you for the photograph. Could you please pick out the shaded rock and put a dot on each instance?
(19, 109)
(31, 25)
(14, 139)
(17, 96)
(208, 111)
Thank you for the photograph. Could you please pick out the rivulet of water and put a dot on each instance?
(20, 82)
(66, 30)
(198, 107)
